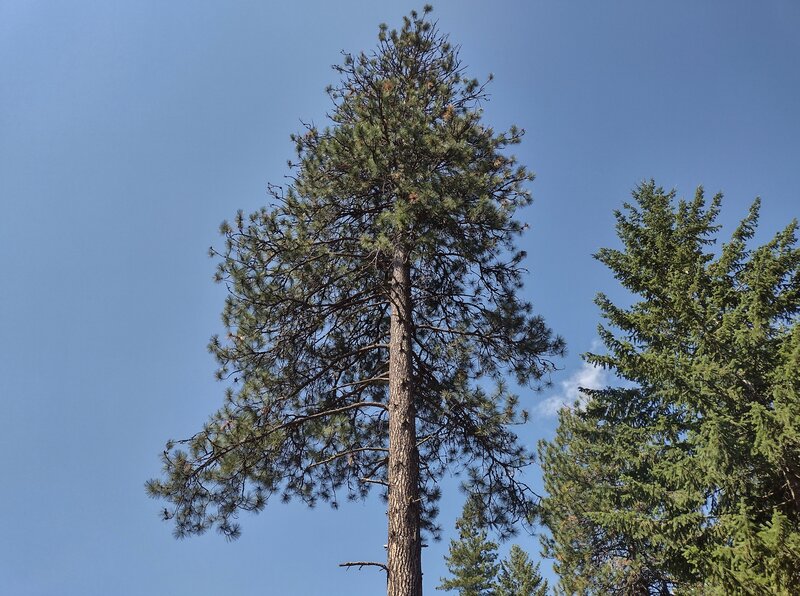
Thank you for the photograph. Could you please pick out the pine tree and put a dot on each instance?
(371, 308)
(518, 576)
(686, 480)
(472, 558)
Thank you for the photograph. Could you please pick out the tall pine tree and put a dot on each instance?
(371, 307)
(686, 480)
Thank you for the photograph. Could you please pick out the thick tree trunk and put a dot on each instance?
(404, 560)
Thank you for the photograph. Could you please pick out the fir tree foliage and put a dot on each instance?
(606, 502)
(687, 478)
(472, 557)
(518, 576)
(405, 167)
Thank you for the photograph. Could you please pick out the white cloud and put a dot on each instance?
(587, 376)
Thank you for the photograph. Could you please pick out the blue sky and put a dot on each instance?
(130, 130)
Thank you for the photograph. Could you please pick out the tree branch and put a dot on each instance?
(373, 481)
(361, 564)
(336, 456)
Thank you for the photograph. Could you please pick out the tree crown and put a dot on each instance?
(405, 161)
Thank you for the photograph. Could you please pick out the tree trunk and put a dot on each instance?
(404, 558)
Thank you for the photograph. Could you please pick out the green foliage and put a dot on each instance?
(686, 480)
(406, 161)
(519, 576)
(473, 567)
(608, 499)
(472, 558)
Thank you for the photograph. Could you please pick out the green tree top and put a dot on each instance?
(518, 576)
(472, 557)
(472, 562)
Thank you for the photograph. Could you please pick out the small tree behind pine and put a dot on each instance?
(518, 576)
(472, 557)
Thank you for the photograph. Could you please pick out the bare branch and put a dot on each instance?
(362, 564)
(373, 481)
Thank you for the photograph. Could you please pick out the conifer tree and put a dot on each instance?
(472, 557)
(607, 502)
(518, 576)
(372, 306)
(687, 478)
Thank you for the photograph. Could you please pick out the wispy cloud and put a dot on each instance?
(587, 376)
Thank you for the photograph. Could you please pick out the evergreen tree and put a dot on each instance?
(471, 560)
(519, 576)
(607, 499)
(371, 308)
(687, 479)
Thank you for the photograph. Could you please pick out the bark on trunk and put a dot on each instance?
(404, 558)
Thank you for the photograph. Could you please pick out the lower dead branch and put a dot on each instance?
(362, 564)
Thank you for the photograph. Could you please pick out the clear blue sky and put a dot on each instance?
(130, 130)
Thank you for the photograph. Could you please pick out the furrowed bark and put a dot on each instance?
(404, 561)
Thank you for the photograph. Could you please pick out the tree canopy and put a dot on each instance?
(685, 478)
(374, 312)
